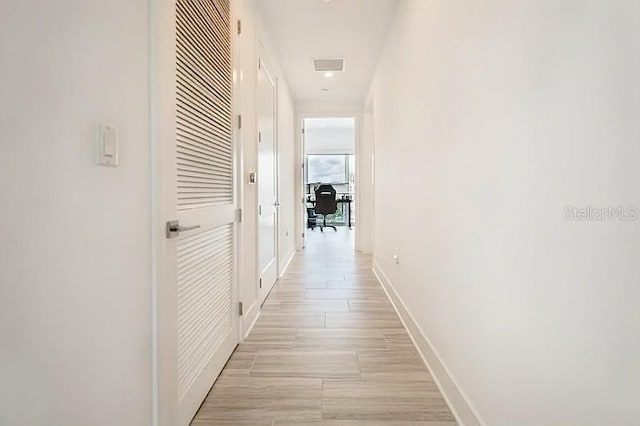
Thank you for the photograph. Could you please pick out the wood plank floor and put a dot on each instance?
(328, 349)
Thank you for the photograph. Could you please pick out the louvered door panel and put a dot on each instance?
(205, 291)
(204, 149)
(204, 164)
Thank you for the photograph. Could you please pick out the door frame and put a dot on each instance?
(162, 127)
(368, 138)
(301, 211)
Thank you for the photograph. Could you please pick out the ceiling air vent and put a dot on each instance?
(332, 64)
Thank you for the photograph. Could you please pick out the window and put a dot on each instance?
(331, 169)
(338, 170)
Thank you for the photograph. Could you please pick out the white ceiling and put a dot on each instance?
(305, 29)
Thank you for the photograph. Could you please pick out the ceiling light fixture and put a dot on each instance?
(328, 74)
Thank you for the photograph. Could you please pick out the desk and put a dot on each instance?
(346, 201)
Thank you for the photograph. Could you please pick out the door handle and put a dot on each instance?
(174, 229)
(277, 204)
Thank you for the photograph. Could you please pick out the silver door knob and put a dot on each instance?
(174, 229)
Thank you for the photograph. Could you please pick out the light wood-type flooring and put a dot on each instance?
(328, 349)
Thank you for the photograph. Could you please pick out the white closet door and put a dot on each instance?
(202, 256)
(267, 184)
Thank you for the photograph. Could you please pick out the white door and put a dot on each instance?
(200, 253)
(267, 184)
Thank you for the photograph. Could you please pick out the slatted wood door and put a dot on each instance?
(204, 164)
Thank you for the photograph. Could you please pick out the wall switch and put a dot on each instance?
(107, 145)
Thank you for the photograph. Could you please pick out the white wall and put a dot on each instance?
(330, 140)
(249, 43)
(328, 109)
(74, 237)
(490, 118)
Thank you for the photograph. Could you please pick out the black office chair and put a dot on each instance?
(326, 204)
(311, 218)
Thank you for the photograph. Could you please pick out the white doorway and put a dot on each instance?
(267, 179)
(329, 158)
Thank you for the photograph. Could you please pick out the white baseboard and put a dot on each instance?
(462, 409)
(251, 315)
(249, 319)
(287, 263)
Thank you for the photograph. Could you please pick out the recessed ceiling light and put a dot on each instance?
(328, 74)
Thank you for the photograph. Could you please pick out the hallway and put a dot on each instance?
(328, 349)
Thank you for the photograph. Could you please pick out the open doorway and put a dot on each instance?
(329, 179)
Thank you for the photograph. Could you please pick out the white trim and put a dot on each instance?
(288, 262)
(357, 203)
(303, 113)
(250, 317)
(298, 190)
(463, 410)
(162, 129)
(253, 313)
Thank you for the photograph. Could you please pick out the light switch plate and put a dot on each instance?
(107, 145)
